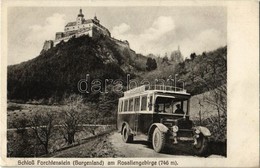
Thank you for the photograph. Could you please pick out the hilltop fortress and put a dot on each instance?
(82, 26)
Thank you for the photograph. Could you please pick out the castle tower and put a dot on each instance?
(80, 17)
(96, 19)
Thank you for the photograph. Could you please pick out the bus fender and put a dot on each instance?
(205, 131)
(160, 126)
(122, 126)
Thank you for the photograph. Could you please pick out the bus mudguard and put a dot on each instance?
(205, 131)
(122, 126)
(160, 126)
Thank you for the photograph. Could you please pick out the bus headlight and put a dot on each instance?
(175, 128)
(197, 131)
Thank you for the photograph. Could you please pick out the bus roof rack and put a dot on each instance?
(163, 88)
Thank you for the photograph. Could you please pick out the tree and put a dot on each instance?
(107, 106)
(154, 64)
(20, 126)
(176, 57)
(218, 99)
(42, 125)
(211, 77)
(92, 117)
(165, 59)
(73, 116)
(193, 56)
(18, 145)
(151, 64)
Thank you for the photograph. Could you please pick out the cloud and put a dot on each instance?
(160, 26)
(147, 41)
(34, 38)
(37, 34)
(121, 29)
(45, 31)
(161, 37)
(206, 40)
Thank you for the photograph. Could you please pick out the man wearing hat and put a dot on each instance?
(179, 110)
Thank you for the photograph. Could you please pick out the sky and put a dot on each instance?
(155, 30)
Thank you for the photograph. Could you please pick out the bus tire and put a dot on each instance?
(158, 140)
(126, 135)
(201, 148)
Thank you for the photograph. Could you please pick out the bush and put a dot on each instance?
(218, 133)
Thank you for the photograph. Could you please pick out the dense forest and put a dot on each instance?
(198, 73)
(54, 74)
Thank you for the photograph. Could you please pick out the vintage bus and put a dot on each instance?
(161, 114)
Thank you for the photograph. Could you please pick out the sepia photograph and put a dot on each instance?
(122, 82)
(89, 73)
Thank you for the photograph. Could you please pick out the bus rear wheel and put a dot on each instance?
(158, 140)
(126, 135)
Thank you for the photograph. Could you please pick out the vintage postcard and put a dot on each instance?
(130, 83)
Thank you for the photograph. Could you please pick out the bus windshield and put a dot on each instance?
(171, 105)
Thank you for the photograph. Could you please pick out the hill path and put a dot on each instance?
(112, 146)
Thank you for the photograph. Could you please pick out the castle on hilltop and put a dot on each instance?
(81, 26)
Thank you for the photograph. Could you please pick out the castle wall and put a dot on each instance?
(65, 39)
(76, 27)
(59, 35)
(101, 30)
(94, 31)
(121, 43)
(69, 33)
(89, 33)
(90, 27)
(47, 45)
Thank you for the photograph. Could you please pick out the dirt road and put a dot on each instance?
(112, 145)
(97, 147)
(141, 148)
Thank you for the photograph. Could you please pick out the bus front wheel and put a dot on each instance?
(201, 148)
(158, 140)
(126, 135)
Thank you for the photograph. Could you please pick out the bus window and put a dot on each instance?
(120, 106)
(125, 105)
(163, 105)
(168, 107)
(137, 104)
(144, 103)
(131, 104)
(183, 106)
(151, 103)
